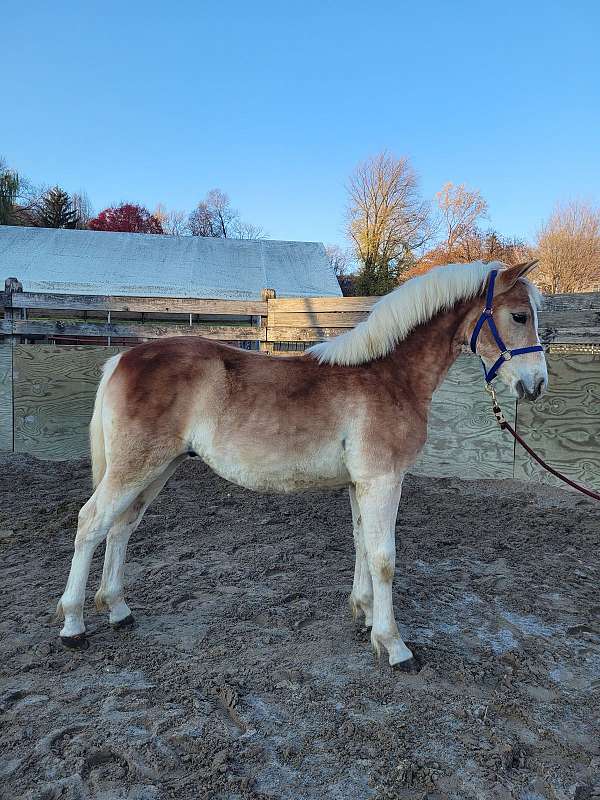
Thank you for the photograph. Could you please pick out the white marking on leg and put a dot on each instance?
(361, 598)
(378, 501)
(111, 593)
(95, 519)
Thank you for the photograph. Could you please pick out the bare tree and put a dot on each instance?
(492, 246)
(83, 208)
(568, 247)
(388, 221)
(460, 210)
(338, 258)
(200, 221)
(174, 223)
(476, 246)
(215, 217)
(246, 230)
(222, 214)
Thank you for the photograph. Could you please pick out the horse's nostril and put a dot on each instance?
(539, 388)
(533, 393)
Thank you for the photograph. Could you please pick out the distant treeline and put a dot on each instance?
(393, 232)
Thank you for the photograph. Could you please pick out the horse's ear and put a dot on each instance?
(509, 276)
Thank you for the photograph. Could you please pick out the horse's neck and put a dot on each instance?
(422, 360)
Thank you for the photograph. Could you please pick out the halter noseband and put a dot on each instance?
(505, 353)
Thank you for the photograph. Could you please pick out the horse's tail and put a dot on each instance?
(97, 442)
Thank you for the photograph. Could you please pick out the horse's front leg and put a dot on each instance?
(378, 500)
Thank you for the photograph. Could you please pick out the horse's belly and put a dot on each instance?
(269, 471)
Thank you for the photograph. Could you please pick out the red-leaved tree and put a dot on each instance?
(126, 218)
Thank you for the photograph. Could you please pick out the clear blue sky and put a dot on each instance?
(275, 102)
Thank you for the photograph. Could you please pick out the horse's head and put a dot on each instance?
(505, 335)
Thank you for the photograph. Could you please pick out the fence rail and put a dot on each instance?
(175, 305)
(30, 328)
(52, 347)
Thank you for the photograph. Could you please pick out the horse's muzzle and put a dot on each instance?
(525, 392)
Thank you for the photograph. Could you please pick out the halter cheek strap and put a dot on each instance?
(505, 353)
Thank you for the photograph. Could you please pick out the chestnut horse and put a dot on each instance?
(350, 412)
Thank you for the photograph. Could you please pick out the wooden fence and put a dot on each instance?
(270, 323)
(48, 377)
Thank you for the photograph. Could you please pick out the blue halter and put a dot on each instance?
(505, 353)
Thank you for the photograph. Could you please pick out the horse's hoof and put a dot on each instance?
(78, 642)
(411, 665)
(124, 624)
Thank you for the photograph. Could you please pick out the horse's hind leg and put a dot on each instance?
(95, 518)
(110, 595)
(361, 598)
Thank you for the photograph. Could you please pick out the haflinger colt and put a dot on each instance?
(349, 412)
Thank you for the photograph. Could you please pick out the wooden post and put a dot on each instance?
(7, 416)
(11, 286)
(266, 295)
(6, 396)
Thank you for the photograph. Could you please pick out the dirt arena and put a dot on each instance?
(246, 677)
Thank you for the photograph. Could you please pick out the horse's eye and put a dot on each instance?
(520, 318)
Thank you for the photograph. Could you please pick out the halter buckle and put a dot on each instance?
(506, 355)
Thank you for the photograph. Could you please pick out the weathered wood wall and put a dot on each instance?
(54, 390)
(563, 427)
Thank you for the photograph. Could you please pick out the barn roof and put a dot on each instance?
(93, 262)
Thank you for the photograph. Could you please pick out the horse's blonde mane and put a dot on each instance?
(394, 316)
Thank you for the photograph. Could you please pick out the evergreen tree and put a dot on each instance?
(381, 276)
(55, 210)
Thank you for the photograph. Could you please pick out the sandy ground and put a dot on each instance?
(246, 677)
